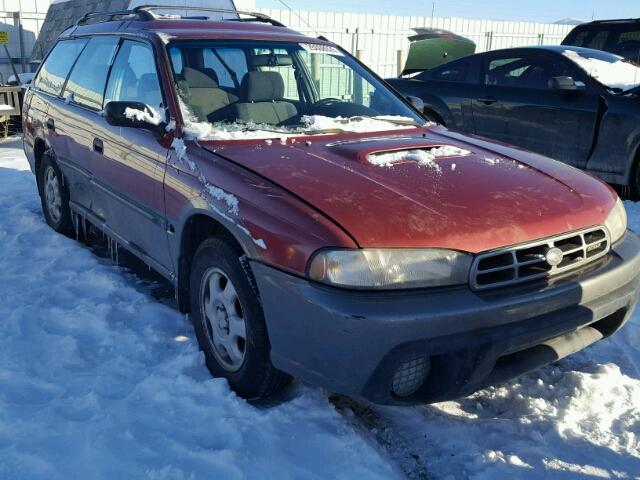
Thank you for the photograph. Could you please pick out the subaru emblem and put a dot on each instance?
(554, 256)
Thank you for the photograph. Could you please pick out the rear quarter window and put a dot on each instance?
(57, 66)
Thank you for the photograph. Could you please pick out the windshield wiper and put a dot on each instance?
(325, 131)
(408, 122)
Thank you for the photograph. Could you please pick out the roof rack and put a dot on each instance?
(118, 14)
(145, 13)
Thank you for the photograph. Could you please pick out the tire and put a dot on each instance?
(222, 294)
(54, 196)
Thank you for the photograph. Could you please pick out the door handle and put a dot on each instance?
(51, 125)
(487, 100)
(98, 146)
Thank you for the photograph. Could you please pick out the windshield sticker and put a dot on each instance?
(320, 48)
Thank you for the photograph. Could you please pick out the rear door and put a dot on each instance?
(77, 116)
(517, 104)
(448, 90)
(130, 165)
(48, 111)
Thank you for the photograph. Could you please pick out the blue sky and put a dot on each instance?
(533, 10)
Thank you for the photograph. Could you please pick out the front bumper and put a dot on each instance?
(352, 342)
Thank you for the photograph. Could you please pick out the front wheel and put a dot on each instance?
(54, 196)
(229, 322)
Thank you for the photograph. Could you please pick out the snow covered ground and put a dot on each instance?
(98, 380)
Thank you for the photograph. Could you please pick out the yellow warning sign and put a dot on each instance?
(4, 38)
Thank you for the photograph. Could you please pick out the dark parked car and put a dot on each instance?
(576, 105)
(315, 227)
(621, 37)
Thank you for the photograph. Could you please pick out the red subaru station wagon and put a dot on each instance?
(312, 222)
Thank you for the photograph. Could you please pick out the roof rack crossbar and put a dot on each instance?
(108, 16)
(256, 16)
(145, 13)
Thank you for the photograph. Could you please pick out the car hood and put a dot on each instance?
(493, 197)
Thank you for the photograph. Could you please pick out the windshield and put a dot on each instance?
(239, 90)
(609, 69)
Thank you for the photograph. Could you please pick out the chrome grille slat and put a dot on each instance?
(520, 263)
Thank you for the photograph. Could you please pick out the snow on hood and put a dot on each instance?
(426, 156)
(620, 73)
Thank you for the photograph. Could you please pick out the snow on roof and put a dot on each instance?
(608, 69)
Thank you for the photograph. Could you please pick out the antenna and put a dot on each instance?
(299, 16)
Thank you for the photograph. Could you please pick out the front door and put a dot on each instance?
(516, 104)
(129, 170)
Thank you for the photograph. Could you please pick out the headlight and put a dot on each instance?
(390, 268)
(617, 222)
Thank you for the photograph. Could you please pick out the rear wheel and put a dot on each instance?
(54, 196)
(229, 322)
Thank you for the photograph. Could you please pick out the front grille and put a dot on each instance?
(524, 263)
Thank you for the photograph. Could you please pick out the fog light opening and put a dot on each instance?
(410, 376)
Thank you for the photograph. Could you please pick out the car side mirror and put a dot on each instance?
(416, 103)
(566, 84)
(134, 115)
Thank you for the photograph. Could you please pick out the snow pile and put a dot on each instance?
(221, 131)
(579, 417)
(425, 156)
(230, 200)
(620, 74)
(214, 196)
(194, 129)
(315, 123)
(181, 152)
(100, 381)
(152, 116)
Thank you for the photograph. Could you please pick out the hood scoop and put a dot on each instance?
(425, 156)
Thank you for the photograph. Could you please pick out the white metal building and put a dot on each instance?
(23, 20)
(377, 39)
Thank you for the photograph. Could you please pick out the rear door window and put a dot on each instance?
(57, 66)
(134, 77)
(89, 76)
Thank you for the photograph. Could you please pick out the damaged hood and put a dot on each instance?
(473, 196)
